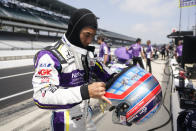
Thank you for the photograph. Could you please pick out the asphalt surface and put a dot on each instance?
(15, 84)
(17, 70)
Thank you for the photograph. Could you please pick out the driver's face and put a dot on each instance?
(86, 35)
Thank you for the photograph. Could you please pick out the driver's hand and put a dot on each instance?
(97, 90)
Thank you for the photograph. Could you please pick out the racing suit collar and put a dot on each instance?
(76, 48)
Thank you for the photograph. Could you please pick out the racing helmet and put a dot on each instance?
(135, 95)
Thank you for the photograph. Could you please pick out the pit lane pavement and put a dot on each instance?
(16, 85)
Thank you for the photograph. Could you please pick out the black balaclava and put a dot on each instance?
(80, 18)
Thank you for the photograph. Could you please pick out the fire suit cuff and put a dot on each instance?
(84, 92)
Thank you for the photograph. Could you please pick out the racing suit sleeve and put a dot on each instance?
(102, 71)
(130, 48)
(46, 80)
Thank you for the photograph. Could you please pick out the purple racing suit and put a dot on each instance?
(103, 50)
(60, 83)
(149, 51)
(179, 50)
(136, 54)
(136, 50)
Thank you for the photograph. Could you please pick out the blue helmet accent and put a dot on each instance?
(135, 94)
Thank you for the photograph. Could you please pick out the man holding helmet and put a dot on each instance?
(62, 72)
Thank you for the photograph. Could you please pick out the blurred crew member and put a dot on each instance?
(103, 50)
(137, 53)
(167, 51)
(163, 52)
(179, 52)
(149, 51)
(109, 51)
(61, 79)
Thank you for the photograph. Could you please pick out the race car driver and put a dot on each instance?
(62, 72)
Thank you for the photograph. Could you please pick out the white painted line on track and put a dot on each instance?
(14, 95)
(5, 77)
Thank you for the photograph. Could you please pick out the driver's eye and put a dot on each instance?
(88, 34)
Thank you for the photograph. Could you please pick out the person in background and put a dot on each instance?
(167, 51)
(62, 72)
(137, 53)
(149, 51)
(155, 56)
(163, 51)
(103, 50)
(178, 52)
(109, 51)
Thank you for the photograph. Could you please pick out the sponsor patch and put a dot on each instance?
(77, 118)
(68, 55)
(45, 79)
(92, 62)
(77, 74)
(48, 88)
(45, 65)
(43, 93)
(52, 89)
(44, 72)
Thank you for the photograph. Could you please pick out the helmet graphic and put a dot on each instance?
(135, 94)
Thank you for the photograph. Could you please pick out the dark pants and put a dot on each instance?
(138, 60)
(148, 64)
(179, 60)
(163, 55)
